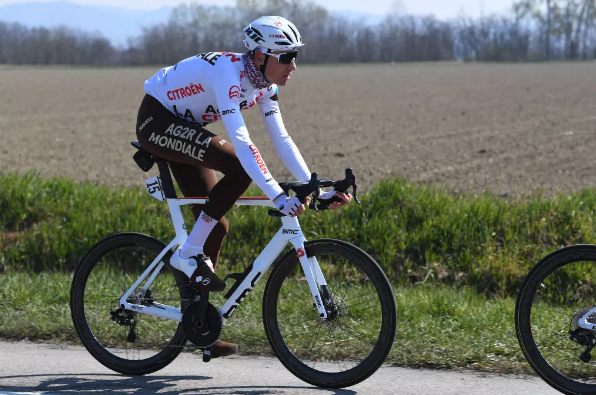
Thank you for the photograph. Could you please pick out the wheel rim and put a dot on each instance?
(561, 298)
(351, 332)
(126, 335)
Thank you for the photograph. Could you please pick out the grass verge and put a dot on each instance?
(439, 327)
(418, 234)
(455, 260)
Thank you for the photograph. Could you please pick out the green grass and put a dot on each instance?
(418, 234)
(455, 260)
(439, 327)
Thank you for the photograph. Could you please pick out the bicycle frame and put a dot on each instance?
(290, 232)
(583, 321)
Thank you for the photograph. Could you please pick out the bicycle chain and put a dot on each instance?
(189, 345)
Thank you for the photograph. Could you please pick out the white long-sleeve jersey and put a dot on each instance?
(214, 86)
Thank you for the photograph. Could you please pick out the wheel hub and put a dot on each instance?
(337, 312)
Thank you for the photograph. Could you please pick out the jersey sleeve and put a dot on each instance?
(284, 146)
(227, 93)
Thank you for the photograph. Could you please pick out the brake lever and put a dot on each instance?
(303, 190)
(354, 187)
(316, 195)
(352, 183)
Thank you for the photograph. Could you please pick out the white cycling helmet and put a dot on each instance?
(272, 33)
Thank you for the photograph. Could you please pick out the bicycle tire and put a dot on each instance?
(555, 288)
(102, 337)
(333, 257)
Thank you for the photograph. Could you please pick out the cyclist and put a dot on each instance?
(182, 99)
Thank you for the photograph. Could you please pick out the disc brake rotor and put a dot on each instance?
(337, 313)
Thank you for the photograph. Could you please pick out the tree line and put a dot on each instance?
(534, 30)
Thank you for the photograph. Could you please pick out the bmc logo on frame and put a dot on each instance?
(240, 298)
(289, 231)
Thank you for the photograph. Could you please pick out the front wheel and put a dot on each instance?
(558, 292)
(127, 342)
(354, 340)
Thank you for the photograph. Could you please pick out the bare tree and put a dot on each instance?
(536, 29)
(533, 8)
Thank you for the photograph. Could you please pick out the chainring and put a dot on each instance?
(207, 335)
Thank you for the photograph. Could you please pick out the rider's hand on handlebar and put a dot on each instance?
(341, 198)
(344, 199)
(291, 206)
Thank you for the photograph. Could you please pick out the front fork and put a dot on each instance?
(314, 276)
(315, 279)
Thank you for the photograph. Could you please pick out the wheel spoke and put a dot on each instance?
(558, 292)
(103, 276)
(349, 335)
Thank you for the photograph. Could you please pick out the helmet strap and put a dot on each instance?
(264, 65)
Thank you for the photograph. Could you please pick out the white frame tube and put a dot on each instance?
(289, 232)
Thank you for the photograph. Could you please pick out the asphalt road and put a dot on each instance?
(27, 368)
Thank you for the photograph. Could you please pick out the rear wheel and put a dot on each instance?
(125, 341)
(354, 340)
(558, 292)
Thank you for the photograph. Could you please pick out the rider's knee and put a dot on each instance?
(242, 178)
(222, 226)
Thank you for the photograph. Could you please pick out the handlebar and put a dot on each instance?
(312, 187)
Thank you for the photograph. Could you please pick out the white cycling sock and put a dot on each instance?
(196, 240)
(187, 250)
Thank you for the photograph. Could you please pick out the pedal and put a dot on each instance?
(207, 354)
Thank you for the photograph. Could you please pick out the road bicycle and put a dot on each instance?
(328, 310)
(555, 319)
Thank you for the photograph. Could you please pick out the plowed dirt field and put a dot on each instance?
(509, 129)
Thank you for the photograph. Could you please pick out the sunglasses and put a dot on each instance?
(285, 58)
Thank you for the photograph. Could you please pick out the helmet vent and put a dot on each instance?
(288, 37)
(272, 33)
(258, 32)
(295, 33)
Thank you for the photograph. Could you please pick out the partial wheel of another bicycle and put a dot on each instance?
(126, 341)
(555, 319)
(353, 341)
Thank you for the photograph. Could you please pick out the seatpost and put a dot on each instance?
(166, 178)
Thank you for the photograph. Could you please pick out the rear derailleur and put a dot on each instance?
(584, 338)
(126, 320)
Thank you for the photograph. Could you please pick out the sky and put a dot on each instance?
(439, 8)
